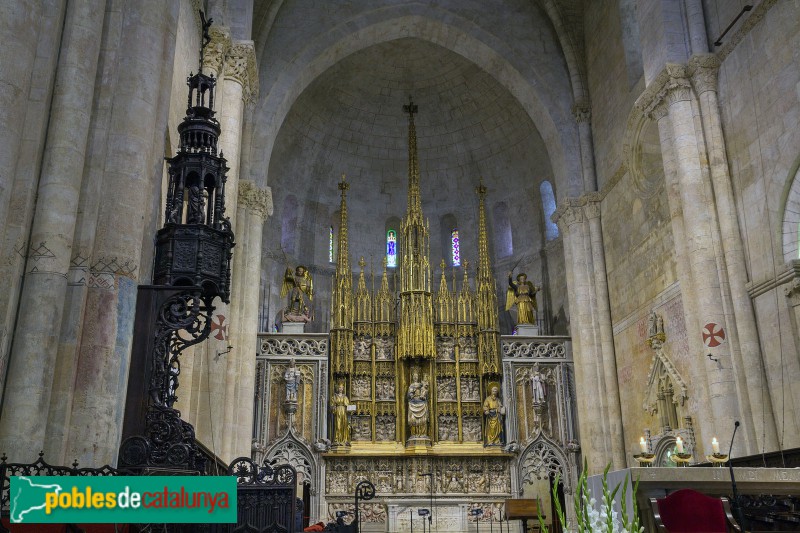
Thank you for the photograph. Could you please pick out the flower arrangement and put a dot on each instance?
(589, 518)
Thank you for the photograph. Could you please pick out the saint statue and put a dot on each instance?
(292, 378)
(538, 385)
(196, 203)
(300, 288)
(522, 293)
(417, 405)
(493, 410)
(341, 426)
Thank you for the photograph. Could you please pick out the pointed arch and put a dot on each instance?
(291, 451)
(544, 457)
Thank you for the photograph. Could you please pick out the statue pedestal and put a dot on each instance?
(527, 330)
(422, 441)
(293, 327)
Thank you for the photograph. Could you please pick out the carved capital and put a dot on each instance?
(793, 293)
(582, 112)
(793, 290)
(704, 72)
(658, 111)
(214, 54)
(671, 85)
(240, 65)
(256, 199)
(592, 206)
(567, 215)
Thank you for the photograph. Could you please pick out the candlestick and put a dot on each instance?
(643, 445)
(679, 444)
(715, 445)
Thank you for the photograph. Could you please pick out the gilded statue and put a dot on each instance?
(522, 293)
(341, 431)
(417, 405)
(299, 286)
(493, 410)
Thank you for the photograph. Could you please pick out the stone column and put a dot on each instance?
(255, 205)
(19, 33)
(583, 116)
(145, 63)
(239, 86)
(704, 78)
(698, 380)
(603, 317)
(601, 314)
(22, 162)
(586, 354)
(697, 207)
(217, 377)
(193, 396)
(30, 376)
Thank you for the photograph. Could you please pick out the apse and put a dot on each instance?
(350, 121)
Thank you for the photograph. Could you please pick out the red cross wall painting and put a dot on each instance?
(218, 325)
(713, 335)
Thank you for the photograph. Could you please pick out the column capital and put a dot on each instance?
(217, 49)
(582, 112)
(704, 69)
(671, 85)
(240, 65)
(591, 207)
(569, 213)
(793, 290)
(256, 199)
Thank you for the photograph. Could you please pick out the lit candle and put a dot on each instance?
(643, 445)
(679, 444)
(715, 446)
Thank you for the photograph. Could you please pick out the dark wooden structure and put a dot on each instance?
(522, 509)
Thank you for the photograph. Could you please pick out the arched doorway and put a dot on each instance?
(541, 464)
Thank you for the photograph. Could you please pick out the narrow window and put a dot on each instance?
(391, 248)
(455, 246)
(330, 246)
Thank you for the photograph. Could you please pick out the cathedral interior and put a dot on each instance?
(477, 248)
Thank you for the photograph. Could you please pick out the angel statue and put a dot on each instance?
(300, 288)
(522, 293)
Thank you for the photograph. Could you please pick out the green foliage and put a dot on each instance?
(591, 520)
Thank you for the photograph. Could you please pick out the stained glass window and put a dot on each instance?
(455, 246)
(391, 248)
(330, 246)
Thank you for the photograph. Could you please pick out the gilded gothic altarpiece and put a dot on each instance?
(413, 374)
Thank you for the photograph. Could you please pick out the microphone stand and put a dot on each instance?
(430, 516)
(737, 509)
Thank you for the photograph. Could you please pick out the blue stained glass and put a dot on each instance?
(455, 245)
(330, 246)
(391, 248)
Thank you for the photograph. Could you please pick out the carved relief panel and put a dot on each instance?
(362, 348)
(384, 348)
(468, 347)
